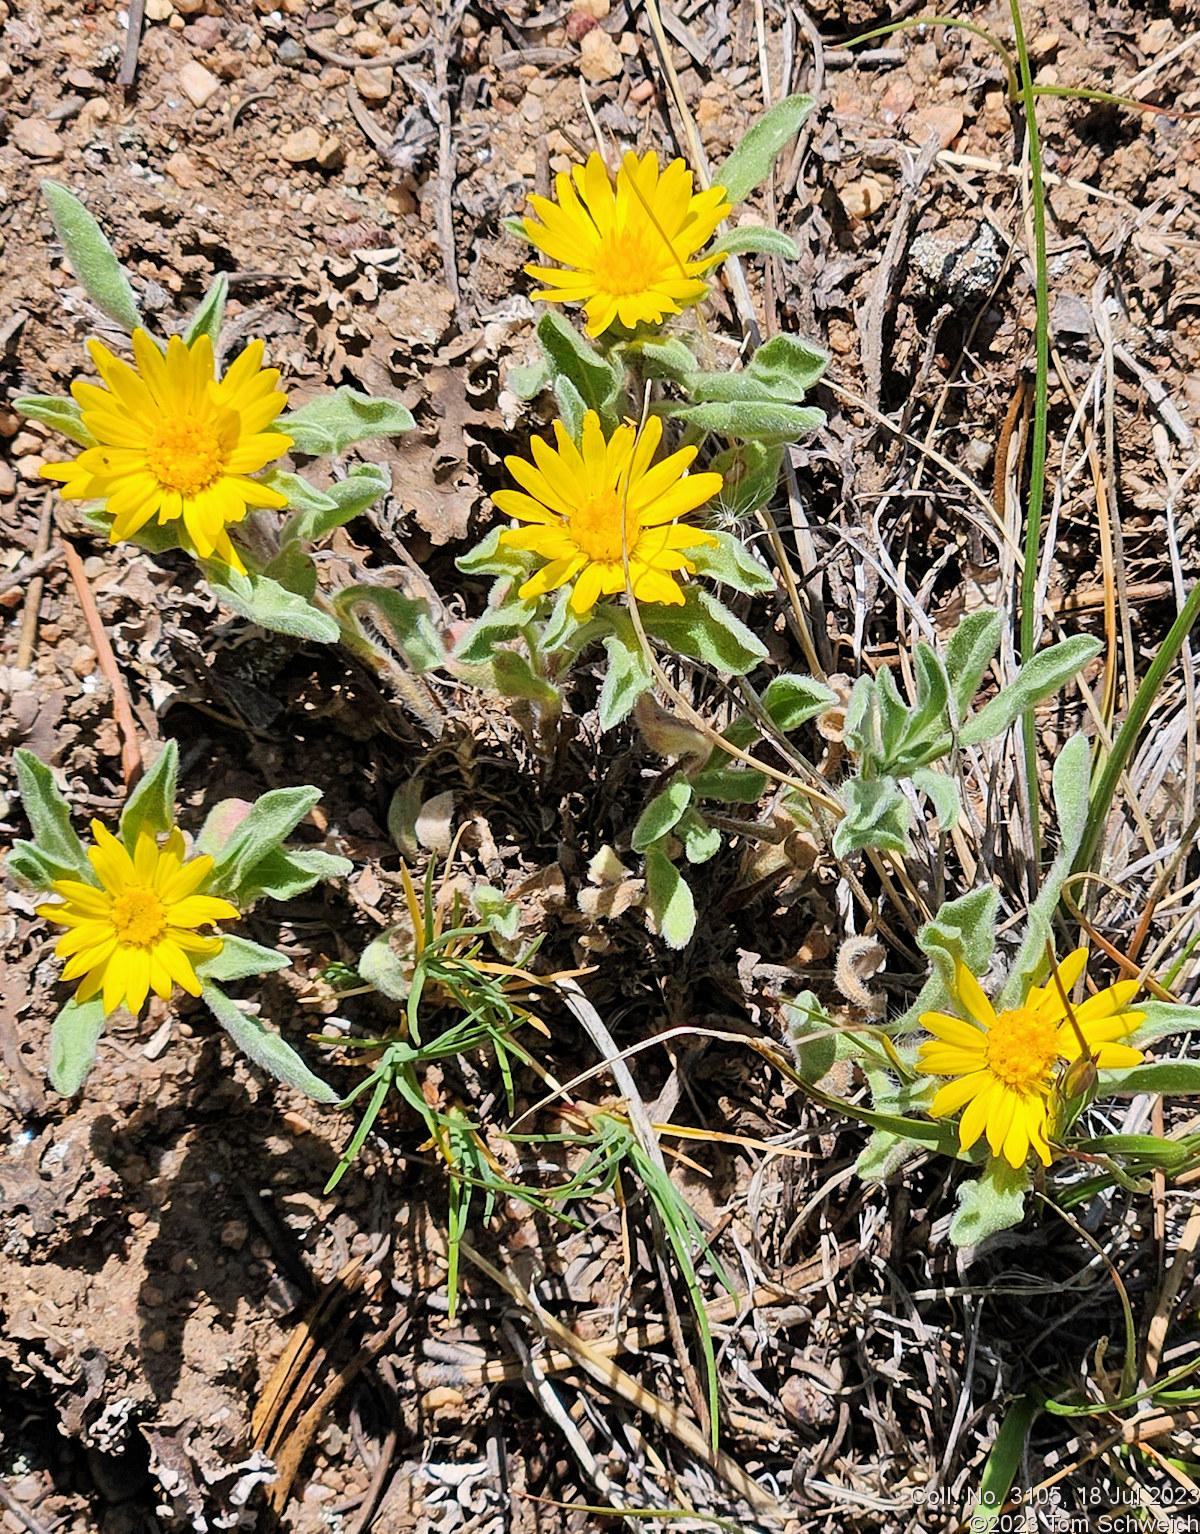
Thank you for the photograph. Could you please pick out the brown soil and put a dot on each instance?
(161, 1237)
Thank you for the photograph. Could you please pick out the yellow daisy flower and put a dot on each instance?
(174, 442)
(629, 246)
(574, 505)
(137, 931)
(1007, 1066)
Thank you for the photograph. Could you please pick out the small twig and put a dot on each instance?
(379, 61)
(133, 39)
(23, 573)
(385, 1374)
(33, 597)
(20, 1511)
(131, 754)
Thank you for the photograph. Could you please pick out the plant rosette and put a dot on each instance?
(144, 912)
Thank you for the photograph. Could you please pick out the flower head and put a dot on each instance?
(628, 247)
(1006, 1066)
(587, 509)
(137, 930)
(174, 443)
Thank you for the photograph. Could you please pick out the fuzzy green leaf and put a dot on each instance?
(495, 627)
(571, 408)
(259, 832)
(385, 967)
(288, 872)
(92, 258)
(669, 900)
(596, 379)
(1171, 1078)
(750, 163)
(753, 240)
(700, 840)
(59, 413)
(733, 785)
(272, 1053)
(962, 931)
(750, 474)
(74, 1035)
(705, 630)
(515, 678)
(210, 312)
(992, 1202)
(877, 815)
(760, 420)
(782, 371)
(811, 1036)
(295, 570)
(663, 356)
(270, 605)
(406, 622)
(662, 814)
(491, 557)
(968, 655)
(1038, 679)
(49, 816)
(344, 500)
(731, 563)
(792, 700)
(152, 803)
(627, 675)
(529, 380)
(1070, 780)
(333, 422)
(239, 958)
(943, 794)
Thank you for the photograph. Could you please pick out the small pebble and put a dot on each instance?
(234, 1234)
(37, 138)
(302, 145)
(159, 10)
(946, 122)
(197, 83)
(599, 57)
(331, 155)
(291, 53)
(373, 84)
(84, 661)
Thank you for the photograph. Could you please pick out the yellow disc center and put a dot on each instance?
(186, 456)
(139, 916)
(1021, 1048)
(629, 262)
(596, 527)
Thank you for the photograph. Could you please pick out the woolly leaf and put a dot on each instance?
(969, 654)
(750, 163)
(596, 379)
(56, 411)
(58, 848)
(876, 816)
(265, 602)
(793, 700)
(288, 872)
(259, 832)
(753, 240)
(333, 422)
(406, 619)
(669, 900)
(239, 958)
(152, 803)
(750, 474)
(664, 357)
(92, 258)
(761, 420)
(1043, 675)
(274, 1054)
(963, 931)
(295, 570)
(627, 675)
(571, 408)
(704, 629)
(700, 840)
(993, 1202)
(344, 500)
(515, 678)
(210, 312)
(74, 1035)
(731, 563)
(495, 627)
(491, 557)
(662, 814)
(943, 795)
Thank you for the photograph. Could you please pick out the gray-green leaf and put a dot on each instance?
(50, 818)
(753, 240)
(877, 815)
(662, 814)
(750, 163)
(272, 606)
(210, 313)
(1043, 675)
(669, 900)
(92, 258)
(731, 563)
(406, 619)
(59, 413)
(993, 1202)
(792, 700)
(74, 1035)
(333, 422)
(265, 1048)
(152, 803)
(239, 958)
(705, 630)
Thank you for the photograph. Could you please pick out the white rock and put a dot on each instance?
(197, 83)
